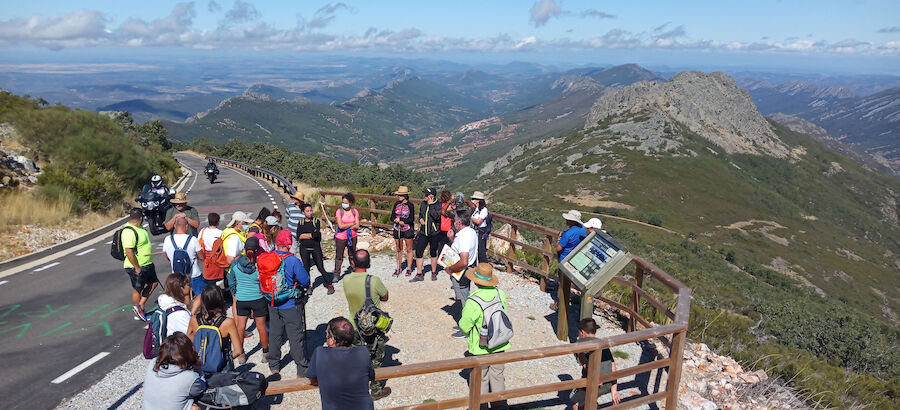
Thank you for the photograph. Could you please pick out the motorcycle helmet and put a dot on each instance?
(156, 180)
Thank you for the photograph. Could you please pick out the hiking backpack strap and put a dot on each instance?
(369, 289)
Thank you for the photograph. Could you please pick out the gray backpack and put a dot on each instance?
(496, 329)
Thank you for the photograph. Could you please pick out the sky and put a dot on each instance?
(856, 35)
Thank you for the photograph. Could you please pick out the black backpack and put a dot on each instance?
(232, 389)
(116, 250)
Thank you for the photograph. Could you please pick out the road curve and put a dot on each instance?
(67, 323)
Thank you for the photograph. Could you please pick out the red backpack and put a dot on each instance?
(272, 281)
(216, 261)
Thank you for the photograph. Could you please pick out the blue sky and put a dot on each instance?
(861, 33)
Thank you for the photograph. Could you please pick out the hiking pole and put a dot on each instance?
(325, 214)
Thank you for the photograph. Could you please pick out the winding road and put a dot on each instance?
(65, 324)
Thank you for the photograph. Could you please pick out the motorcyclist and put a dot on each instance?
(157, 186)
(212, 166)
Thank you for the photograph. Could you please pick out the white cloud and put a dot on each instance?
(543, 10)
(894, 29)
(243, 30)
(596, 14)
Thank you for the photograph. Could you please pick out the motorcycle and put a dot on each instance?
(155, 203)
(212, 174)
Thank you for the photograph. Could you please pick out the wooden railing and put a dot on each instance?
(672, 333)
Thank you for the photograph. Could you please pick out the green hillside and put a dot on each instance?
(807, 249)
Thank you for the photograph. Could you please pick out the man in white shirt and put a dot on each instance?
(187, 242)
(209, 234)
(465, 243)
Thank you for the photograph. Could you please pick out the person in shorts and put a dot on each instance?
(138, 262)
(403, 215)
(248, 299)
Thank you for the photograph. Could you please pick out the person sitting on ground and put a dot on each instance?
(481, 222)
(170, 382)
(180, 209)
(568, 240)
(178, 295)
(587, 330)
(247, 297)
(212, 313)
(429, 234)
(403, 215)
(207, 237)
(593, 224)
(492, 378)
(465, 243)
(288, 319)
(138, 262)
(309, 235)
(342, 371)
(355, 292)
(347, 223)
(180, 239)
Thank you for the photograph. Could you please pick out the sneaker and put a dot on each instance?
(139, 313)
(433, 277)
(409, 272)
(417, 278)
(458, 335)
(330, 289)
(397, 272)
(381, 394)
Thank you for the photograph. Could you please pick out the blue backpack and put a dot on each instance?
(214, 355)
(156, 331)
(181, 261)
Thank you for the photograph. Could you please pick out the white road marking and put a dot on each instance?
(109, 243)
(3, 281)
(65, 376)
(82, 253)
(46, 267)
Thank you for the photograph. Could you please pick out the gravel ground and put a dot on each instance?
(421, 332)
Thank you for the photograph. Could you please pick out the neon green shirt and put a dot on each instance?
(144, 251)
(472, 317)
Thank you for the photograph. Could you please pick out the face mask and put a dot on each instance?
(345, 206)
(245, 228)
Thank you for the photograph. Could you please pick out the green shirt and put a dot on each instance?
(355, 291)
(472, 317)
(190, 211)
(144, 251)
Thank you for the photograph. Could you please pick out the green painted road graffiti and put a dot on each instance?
(67, 319)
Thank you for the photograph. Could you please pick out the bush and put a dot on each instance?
(94, 187)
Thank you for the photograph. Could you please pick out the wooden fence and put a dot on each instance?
(672, 333)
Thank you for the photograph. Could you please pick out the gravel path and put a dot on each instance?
(421, 332)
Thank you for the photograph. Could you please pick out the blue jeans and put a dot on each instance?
(198, 284)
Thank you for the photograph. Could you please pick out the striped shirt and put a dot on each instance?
(293, 218)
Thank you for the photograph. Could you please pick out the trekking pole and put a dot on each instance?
(325, 214)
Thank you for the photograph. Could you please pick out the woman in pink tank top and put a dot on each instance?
(347, 219)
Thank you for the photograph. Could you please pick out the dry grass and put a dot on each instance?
(31, 222)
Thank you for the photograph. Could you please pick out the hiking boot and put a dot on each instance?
(330, 289)
(458, 335)
(381, 394)
(139, 313)
(417, 278)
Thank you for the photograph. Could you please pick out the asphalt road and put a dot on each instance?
(75, 313)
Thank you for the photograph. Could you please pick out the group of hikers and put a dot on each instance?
(261, 268)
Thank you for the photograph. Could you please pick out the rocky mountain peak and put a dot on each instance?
(711, 105)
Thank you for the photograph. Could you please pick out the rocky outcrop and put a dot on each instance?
(15, 169)
(711, 105)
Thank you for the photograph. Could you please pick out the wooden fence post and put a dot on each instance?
(475, 388)
(635, 296)
(593, 379)
(372, 215)
(548, 240)
(514, 235)
(676, 354)
(562, 309)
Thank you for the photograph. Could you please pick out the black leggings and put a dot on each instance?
(314, 253)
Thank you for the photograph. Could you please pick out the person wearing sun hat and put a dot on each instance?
(486, 281)
(403, 215)
(180, 209)
(569, 239)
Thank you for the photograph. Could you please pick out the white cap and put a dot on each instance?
(240, 216)
(593, 223)
(272, 221)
